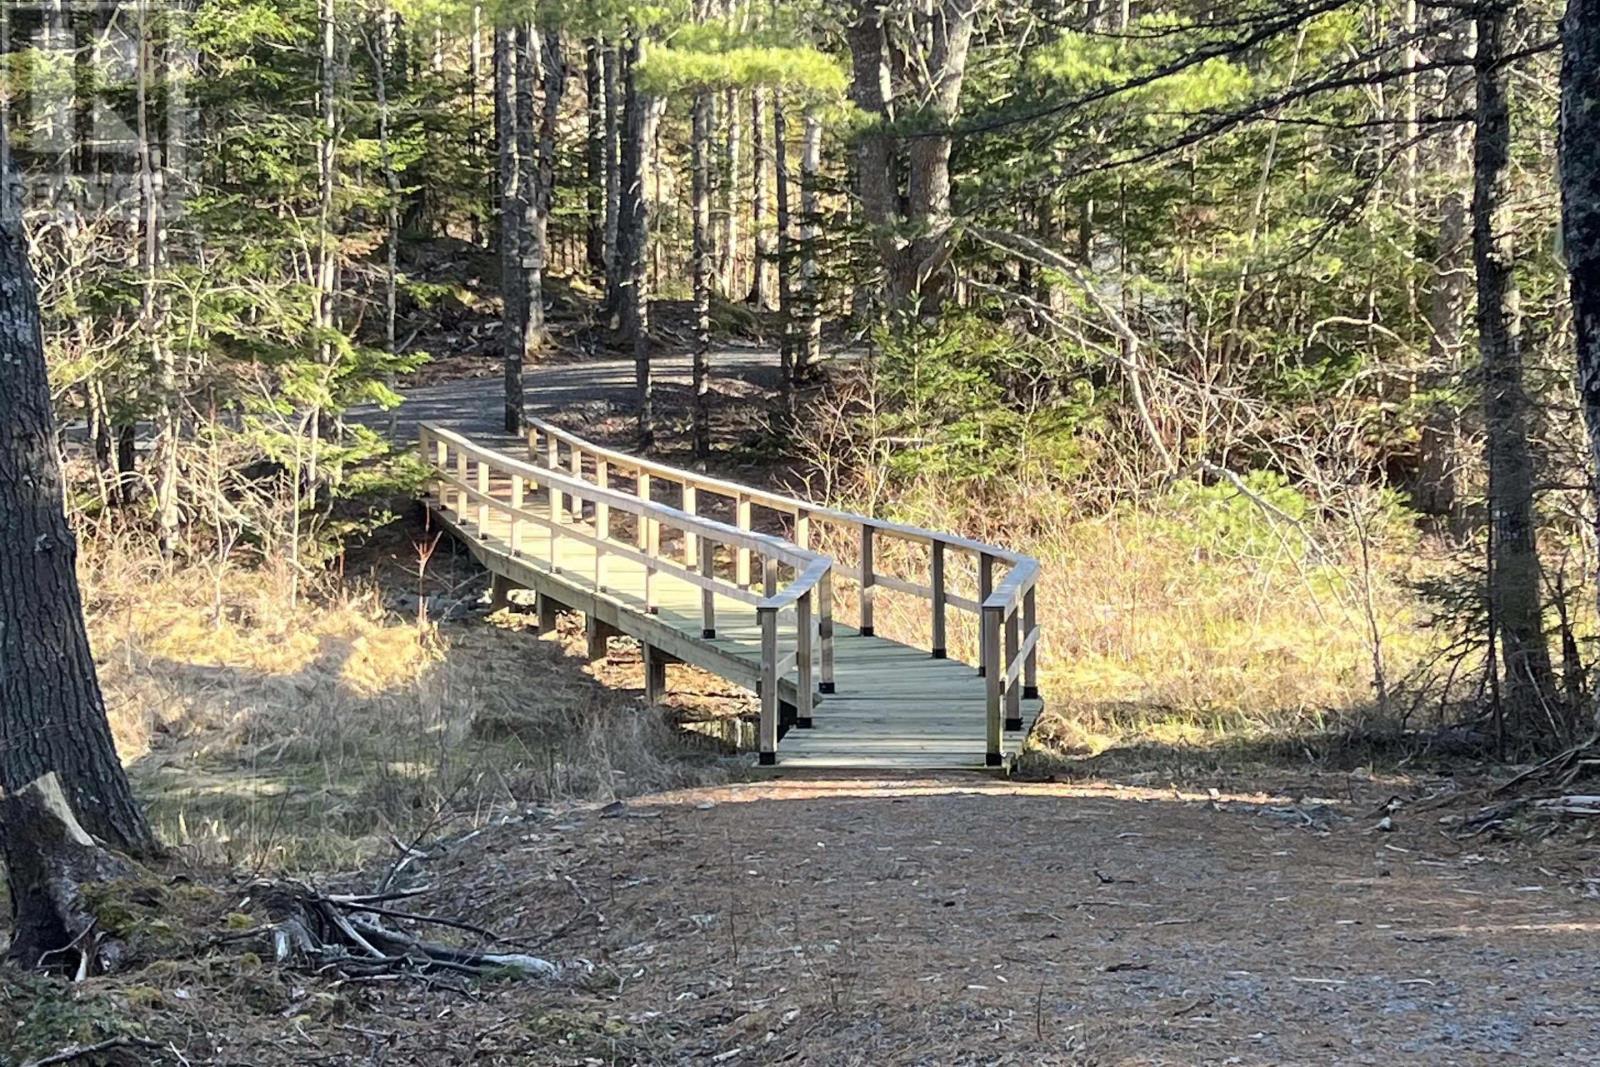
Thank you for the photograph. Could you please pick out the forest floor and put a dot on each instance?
(953, 920)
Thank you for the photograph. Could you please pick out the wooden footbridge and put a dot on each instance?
(748, 584)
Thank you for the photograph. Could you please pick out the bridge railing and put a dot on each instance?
(465, 479)
(1008, 621)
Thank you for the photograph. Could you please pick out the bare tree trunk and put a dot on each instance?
(780, 167)
(700, 148)
(728, 241)
(761, 267)
(327, 253)
(809, 352)
(381, 58)
(1514, 578)
(52, 715)
(595, 157)
(511, 292)
(612, 61)
(529, 275)
(633, 234)
(1580, 202)
(474, 82)
(153, 302)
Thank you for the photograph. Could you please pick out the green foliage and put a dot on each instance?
(966, 398)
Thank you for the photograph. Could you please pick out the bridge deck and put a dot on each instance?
(893, 706)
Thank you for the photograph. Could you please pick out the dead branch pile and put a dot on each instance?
(346, 932)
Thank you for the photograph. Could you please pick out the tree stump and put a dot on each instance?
(49, 860)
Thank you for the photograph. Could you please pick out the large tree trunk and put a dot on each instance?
(52, 716)
(728, 239)
(49, 861)
(1580, 202)
(914, 245)
(1514, 594)
(700, 149)
(511, 292)
(611, 72)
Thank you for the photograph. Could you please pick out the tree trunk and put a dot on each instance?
(633, 234)
(1514, 592)
(391, 252)
(153, 302)
(529, 273)
(49, 860)
(914, 245)
(595, 158)
(780, 168)
(1580, 202)
(728, 240)
(809, 352)
(613, 181)
(511, 292)
(700, 149)
(327, 252)
(761, 268)
(52, 716)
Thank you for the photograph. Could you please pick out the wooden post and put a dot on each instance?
(641, 489)
(802, 662)
(655, 674)
(1030, 673)
(652, 550)
(825, 629)
(708, 596)
(546, 609)
(741, 556)
(938, 601)
(869, 580)
(769, 575)
(691, 543)
(596, 634)
(802, 529)
(483, 503)
(499, 592)
(1013, 686)
(557, 507)
(577, 474)
(602, 522)
(517, 492)
(555, 529)
(985, 588)
(992, 618)
(461, 488)
(769, 685)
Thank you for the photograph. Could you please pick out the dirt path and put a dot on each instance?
(959, 921)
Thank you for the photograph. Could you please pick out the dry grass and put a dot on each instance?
(1153, 634)
(304, 735)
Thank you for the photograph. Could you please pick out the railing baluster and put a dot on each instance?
(802, 528)
(769, 685)
(483, 492)
(577, 474)
(1013, 686)
(641, 489)
(869, 580)
(691, 545)
(993, 734)
(802, 661)
(708, 596)
(985, 588)
(741, 556)
(602, 521)
(825, 629)
(461, 484)
(938, 601)
(1030, 673)
(516, 517)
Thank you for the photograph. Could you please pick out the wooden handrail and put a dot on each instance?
(808, 587)
(1009, 632)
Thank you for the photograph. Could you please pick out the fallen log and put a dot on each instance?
(50, 861)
